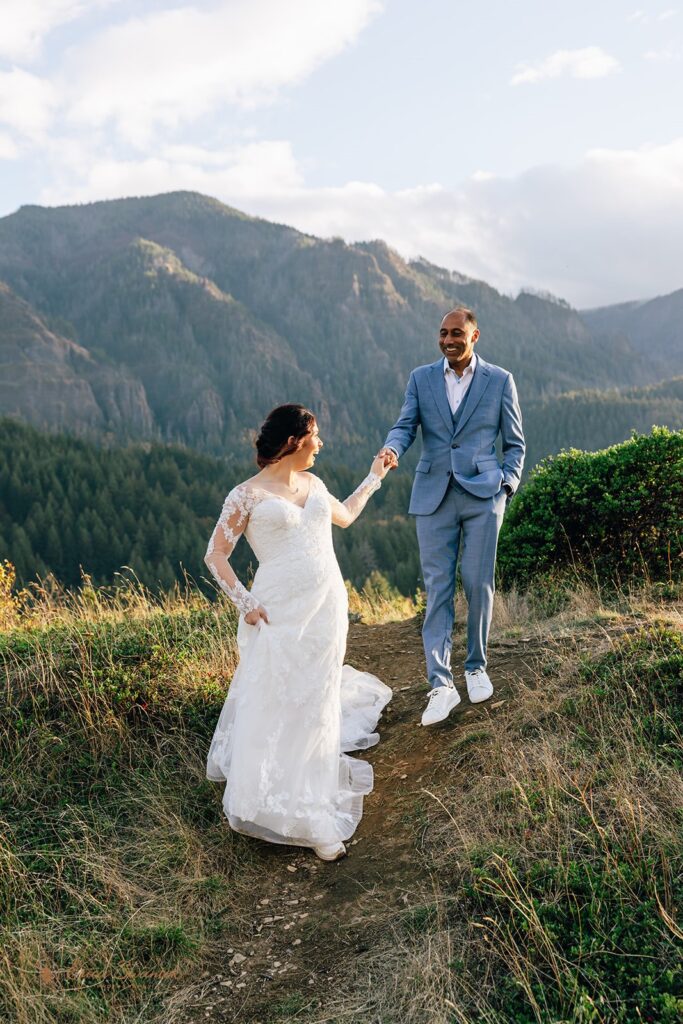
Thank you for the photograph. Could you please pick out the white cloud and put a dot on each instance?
(25, 23)
(173, 66)
(590, 62)
(26, 102)
(664, 55)
(242, 172)
(642, 18)
(604, 230)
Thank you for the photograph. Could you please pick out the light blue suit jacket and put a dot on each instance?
(467, 450)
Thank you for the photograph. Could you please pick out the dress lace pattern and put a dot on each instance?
(294, 710)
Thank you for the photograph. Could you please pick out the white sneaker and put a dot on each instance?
(333, 852)
(441, 702)
(479, 686)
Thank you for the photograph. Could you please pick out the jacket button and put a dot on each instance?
(455, 446)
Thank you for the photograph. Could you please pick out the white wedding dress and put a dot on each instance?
(293, 709)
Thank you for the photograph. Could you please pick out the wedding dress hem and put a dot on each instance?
(363, 699)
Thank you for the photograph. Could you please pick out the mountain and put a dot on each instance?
(653, 329)
(45, 377)
(206, 318)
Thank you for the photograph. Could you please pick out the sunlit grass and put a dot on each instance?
(555, 838)
(554, 831)
(116, 865)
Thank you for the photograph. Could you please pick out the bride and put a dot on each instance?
(293, 708)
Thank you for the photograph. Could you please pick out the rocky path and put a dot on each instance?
(308, 920)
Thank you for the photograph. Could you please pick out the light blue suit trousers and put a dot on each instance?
(467, 526)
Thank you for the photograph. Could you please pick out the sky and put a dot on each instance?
(532, 144)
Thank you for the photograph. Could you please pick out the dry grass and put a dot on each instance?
(378, 602)
(573, 605)
(117, 869)
(116, 864)
(555, 841)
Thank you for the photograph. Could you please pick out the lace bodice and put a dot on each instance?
(279, 531)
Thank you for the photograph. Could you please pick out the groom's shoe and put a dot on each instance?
(441, 702)
(479, 686)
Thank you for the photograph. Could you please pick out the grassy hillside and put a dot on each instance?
(521, 863)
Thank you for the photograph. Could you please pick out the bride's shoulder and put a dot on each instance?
(241, 498)
(316, 483)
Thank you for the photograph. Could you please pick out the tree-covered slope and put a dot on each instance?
(594, 419)
(68, 506)
(654, 329)
(219, 316)
(51, 381)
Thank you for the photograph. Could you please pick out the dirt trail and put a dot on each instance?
(308, 919)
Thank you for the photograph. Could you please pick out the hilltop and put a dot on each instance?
(519, 862)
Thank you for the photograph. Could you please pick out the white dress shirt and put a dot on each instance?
(457, 387)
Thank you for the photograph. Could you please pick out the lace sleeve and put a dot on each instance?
(231, 524)
(346, 512)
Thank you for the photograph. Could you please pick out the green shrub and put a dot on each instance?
(614, 515)
(584, 940)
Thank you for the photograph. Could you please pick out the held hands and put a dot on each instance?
(380, 466)
(387, 460)
(252, 618)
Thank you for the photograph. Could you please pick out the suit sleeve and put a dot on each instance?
(403, 432)
(512, 434)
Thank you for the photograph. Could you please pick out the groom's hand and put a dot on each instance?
(390, 460)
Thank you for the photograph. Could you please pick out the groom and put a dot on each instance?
(459, 495)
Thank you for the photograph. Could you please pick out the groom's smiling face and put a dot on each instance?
(457, 338)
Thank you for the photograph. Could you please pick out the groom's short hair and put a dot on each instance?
(470, 315)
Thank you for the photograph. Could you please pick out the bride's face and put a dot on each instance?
(310, 446)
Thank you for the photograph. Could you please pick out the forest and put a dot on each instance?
(69, 507)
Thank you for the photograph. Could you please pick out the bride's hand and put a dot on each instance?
(379, 467)
(252, 617)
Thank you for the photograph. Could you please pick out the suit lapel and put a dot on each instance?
(482, 375)
(437, 381)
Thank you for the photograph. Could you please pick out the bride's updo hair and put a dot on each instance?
(280, 424)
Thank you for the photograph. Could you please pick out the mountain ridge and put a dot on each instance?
(217, 316)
